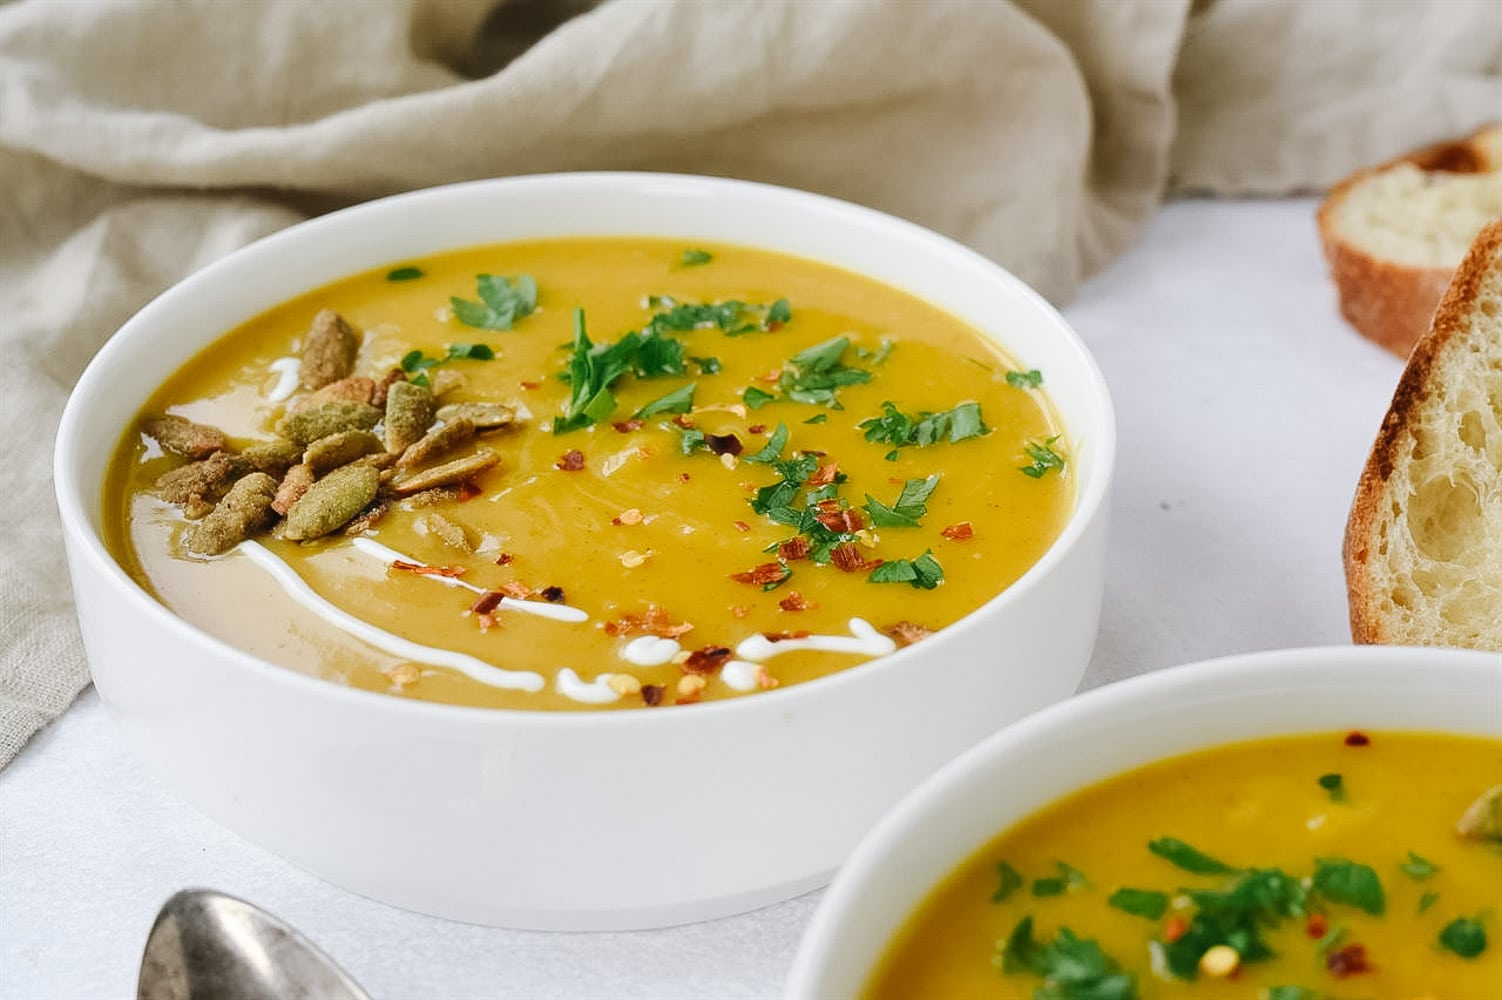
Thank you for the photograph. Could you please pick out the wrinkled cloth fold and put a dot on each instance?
(142, 140)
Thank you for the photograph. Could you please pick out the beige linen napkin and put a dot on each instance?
(138, 141)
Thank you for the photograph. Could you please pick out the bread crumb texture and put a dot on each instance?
(1419, 218)
(1424, 546)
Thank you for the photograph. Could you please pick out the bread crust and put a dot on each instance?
(1388, 302)
(1451, 319)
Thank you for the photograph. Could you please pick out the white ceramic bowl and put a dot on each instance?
(565, 820)
(1114, 729)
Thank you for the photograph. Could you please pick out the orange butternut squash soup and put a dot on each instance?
(589, 473)
(1301, 868)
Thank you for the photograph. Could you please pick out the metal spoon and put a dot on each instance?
(207, 946)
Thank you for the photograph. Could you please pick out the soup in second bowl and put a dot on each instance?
(1334, 866)
(589, 473)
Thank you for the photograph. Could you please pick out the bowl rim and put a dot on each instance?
(90, 547)
(1241, 671)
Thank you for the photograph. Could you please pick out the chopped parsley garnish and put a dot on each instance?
(755, 398)
(1417, 867)
(1427, 900)
(693, 258)
(772, 451)
(1188, 858)
(405, 274)
(503, 301)
(1334, 785)
(680, 400)
(878, 356)
(897, 428)
(1332, 939)
(1043, 456)
(1010, 881)
(815, 374)
(415, 363)
(1025, 380)
(817, 418)
(732, 317)
(1464, 936)
(592, 368)
(910, 506)
(1235, 916)
(1342, 881)
(1140, 902)
(1293, 993)
(923, 572)
(1072, 969)
(707, 366)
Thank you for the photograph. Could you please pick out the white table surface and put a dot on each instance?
(1246, 408)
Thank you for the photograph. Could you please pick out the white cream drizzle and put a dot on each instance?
(741, 675)
(595, 692)
(650, 651)
(288, 371)
(298, 590)
(557, 612)
(863, 639)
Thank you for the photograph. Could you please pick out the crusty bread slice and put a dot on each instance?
(1423, 546)
(1393, 234)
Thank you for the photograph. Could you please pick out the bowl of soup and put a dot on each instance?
(561, 551)
(1288, 825)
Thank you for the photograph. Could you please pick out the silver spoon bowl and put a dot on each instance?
(205, 945)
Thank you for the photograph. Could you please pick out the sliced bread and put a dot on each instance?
(1393, 234)
(1423, 546)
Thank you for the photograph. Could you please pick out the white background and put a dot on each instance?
(1246, 408)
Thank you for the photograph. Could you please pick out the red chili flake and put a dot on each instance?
(772, 572)
(907, 633)
(706, 660)
(504, 559)
(487, 602)
(627, 426)
(824, 475)
(421, 570)
(770, 376)
(520, 591)
(847, 521)
(848, 557)
(683, 477)
(723, 444)
(655, 622)
(793, 549)
(774, 326)
(795, 601)
(553, 594)
(1176, 928)
(572, 461)
(528, 384)
(958, 532)
(684, 420)
(741, 526)
(1316, 926)
(467, 491)
(786, 634)
(651, 694)
(1356, 738)
(757, 429)
(1348, 961)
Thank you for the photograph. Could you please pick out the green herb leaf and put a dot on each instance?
(1427, 900)
(1010, 881)
(817, 418)
(1072, 969)
(779, 313)
(1140, 902)
(1052, 886)
(755, 398)
(405, 274)
(1417, 867)
(1332, 938)
(1334, 784)
(1043, 456)
(733, 317)
(592, 369)
(1188, 858)
(910, 506)
(470, 352)
(1342, 881)
(416, 361)
(680, 400)
(1025, 380)
(1235, 916)
(773, 449)
(693, 258)
(897, 428)
(1293, 993)
(923, 573)
(1464, 936)
(503, 301)
(707, 366)
(815, 374)
(691, 441)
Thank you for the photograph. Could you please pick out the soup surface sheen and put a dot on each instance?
(1367, 888)
(619, 532)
